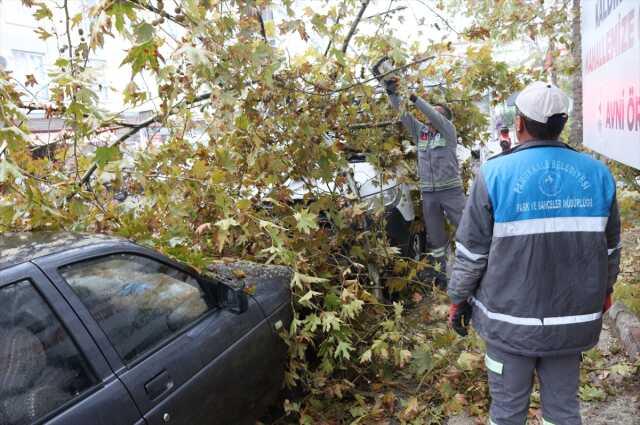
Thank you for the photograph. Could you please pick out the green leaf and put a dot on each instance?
(299, 279)
(352, 309)
(422, 361)
(343, 350)
(226, 223)
(331, 301)
(306, 221)
(8, 170)
(305, 300)
(468, 361)
(623, 369)
(366, 356)
(105, 155)
(591, 393)
(143, 32)
(119, 9)
(43, 34)
(61, 62)
(42, 12)
(142, 56)
(330, 321)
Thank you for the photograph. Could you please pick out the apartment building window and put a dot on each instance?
(31, 63)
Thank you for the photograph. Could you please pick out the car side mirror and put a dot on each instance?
(233, 299)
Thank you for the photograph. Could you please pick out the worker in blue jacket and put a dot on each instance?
(537, 254)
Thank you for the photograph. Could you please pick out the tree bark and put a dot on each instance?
(575, 134)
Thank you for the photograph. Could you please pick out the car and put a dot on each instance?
(403, 227)
(98, 330)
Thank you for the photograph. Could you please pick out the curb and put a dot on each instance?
(627, 327)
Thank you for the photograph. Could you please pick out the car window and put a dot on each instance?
(137, 301)
(41, 367)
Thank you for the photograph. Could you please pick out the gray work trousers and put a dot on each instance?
(435, 206)
(511, 381)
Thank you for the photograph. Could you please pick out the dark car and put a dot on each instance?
(98, 330)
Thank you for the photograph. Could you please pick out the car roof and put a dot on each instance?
(16, 248)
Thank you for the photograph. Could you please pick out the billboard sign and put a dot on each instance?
(611, 78)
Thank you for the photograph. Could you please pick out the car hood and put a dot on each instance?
(269, 285)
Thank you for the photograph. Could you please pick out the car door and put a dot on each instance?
(166, 338)
(52, 371)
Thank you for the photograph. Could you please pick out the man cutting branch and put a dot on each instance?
(440, 182)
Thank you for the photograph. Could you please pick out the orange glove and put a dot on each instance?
(459, 317)
(608, 302)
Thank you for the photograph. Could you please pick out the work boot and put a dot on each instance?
(438, 259)
(441, 279)
(435, 272)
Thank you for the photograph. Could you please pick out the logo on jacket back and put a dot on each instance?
(550, 183)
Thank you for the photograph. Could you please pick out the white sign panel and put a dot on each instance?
(611, 78)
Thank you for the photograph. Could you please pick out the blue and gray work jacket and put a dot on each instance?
(538, 249)
(437, 160)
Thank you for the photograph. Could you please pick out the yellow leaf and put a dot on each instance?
(411, 409)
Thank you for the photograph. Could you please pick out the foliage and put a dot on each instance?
(629, 176)
(627, 288)
(262, 120)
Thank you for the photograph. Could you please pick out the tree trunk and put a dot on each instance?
(575, 135)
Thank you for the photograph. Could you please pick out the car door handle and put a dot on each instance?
(159, 385)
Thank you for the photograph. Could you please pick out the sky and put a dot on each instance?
(411, 20)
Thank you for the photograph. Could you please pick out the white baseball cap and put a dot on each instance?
(538, 101)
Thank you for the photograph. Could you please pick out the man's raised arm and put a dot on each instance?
(410, 123)
(438, 121)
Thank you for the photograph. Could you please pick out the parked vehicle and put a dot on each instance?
(98, 330)
(403, 227)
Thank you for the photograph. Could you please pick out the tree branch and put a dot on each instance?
(159, 12)
(439, 16)
(387, 12)
(326, 51)
(135, 129)
(359, 83)
(263, 31)
(67, 19)
(381, 124)
(354, 26)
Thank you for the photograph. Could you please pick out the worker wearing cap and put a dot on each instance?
(504, 138)
(440, 182)
(537, 254)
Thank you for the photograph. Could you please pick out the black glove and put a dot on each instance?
(390, 81)
(391, 86)
(413, 97)
(460, 317)
(377, 70)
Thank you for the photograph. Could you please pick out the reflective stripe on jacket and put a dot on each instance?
(538, 249)
(437, 161)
